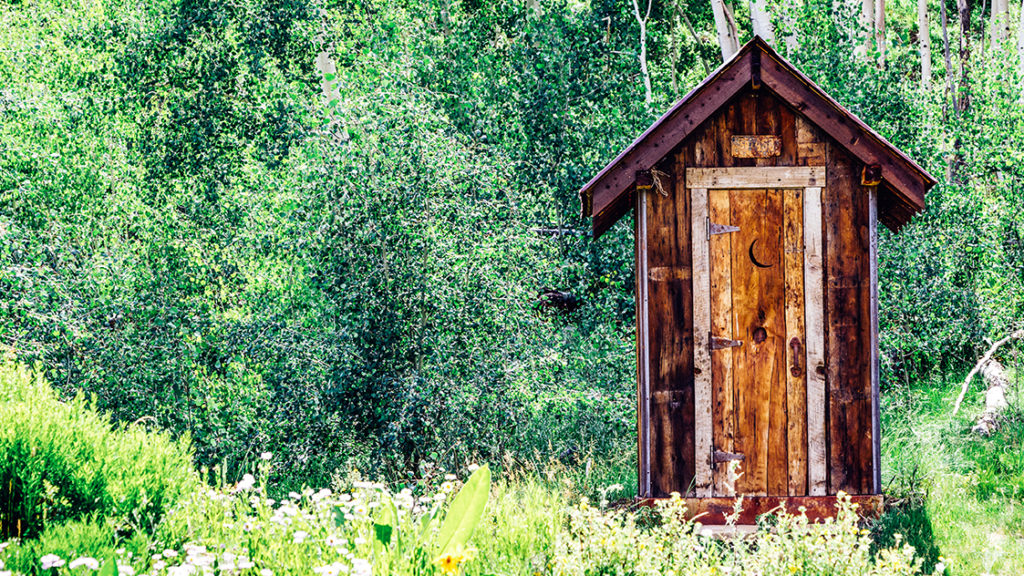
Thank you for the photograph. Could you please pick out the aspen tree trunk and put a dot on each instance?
(760, 21)
(945, 51)
(867, 24)
(642, 21)
(1020, 44)
(925, 43)
(790, 8)
(880, 31)
(964, 8)
(1000, 22)
(728, 38)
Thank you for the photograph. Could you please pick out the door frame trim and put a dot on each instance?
(812, 180)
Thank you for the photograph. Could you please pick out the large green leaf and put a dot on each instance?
(465, 512)
(109, 568)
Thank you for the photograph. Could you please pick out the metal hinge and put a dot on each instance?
(721, 456)
(716, 343)
(714, 228)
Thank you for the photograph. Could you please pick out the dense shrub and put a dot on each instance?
(63, 461)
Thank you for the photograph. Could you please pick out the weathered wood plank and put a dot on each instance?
(848, 334)
(740, 178)
(772, 366)
(713, 511)
(814, 319)
(750, 435)
(796, 373)
(767, 123)
(756, 146)
(702, 349)
(721, 326)
(669, 338)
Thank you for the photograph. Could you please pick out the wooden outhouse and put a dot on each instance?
(756, 201)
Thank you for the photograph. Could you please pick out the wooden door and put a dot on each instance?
(758, 304)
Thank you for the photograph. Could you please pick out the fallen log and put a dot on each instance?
(981, 364)
(995, 397)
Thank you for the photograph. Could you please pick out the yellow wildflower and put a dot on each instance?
(449, 563)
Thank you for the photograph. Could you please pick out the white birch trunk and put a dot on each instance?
(760, 21)
(924, 40)
(1000, 22)
(880, 31)
(790, 8)
(1020, 45)
(728, 38)
(867, 25)
(642, 21)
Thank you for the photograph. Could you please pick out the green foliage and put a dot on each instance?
(64, 462)
(190, 234)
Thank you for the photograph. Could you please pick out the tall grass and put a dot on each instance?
(64, 462)
(956, 496)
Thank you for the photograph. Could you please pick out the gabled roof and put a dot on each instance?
(606, 197)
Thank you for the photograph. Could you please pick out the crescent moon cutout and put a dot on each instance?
(753, 259)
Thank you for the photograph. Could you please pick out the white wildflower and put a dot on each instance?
(332, 569)
(299, 537)
(245, 564)
(361, 567)
(474, 467)
(172, 553)
(295, 496)
(125, 570)
(192, 549)
(51, 561)
(324, 493)
(90, 563)
(266, 456)
(6, 573)
(159, 565)
(183, 570)
(266, 572)
(248, 482)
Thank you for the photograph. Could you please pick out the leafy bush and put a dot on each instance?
(63, 461)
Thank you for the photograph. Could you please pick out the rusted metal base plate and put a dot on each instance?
(713, 511)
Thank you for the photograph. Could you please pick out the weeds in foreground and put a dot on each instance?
(368, 529)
